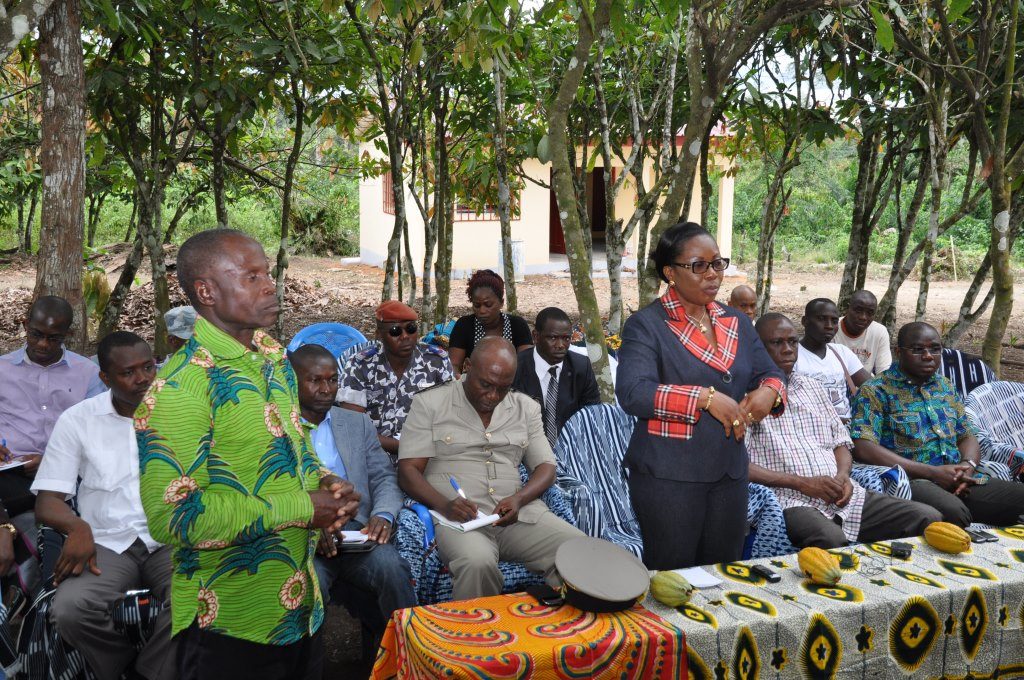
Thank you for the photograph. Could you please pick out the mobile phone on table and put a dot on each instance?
(979, 536)
(766, 573)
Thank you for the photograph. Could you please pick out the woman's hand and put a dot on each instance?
(726, 411)
(758, 404)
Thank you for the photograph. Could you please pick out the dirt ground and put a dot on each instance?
(324, 290)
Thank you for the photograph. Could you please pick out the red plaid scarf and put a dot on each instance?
(726, 332)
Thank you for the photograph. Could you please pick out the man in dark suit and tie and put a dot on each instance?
(562, 382)
(346, 442)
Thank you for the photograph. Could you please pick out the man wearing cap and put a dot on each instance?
(180, 324)
(460, 455)
(382, 379)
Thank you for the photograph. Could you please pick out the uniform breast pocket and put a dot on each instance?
(449, 439)
(906, 430)
(518, 437)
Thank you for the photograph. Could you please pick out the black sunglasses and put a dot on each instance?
(410, 328)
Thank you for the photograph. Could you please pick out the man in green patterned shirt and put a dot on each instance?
(910, 415)
(229, 479)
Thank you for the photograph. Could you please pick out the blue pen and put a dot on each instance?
(458, 489)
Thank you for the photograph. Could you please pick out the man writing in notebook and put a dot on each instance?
(476, 432)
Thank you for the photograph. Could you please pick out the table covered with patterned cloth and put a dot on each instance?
(511, 636)
(932, 616)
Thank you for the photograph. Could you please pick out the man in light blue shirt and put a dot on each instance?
(347, 443)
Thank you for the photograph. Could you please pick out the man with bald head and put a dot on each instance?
(470, 435)
(744, 299)
(911, 416)
(38, 382)
(230, 479)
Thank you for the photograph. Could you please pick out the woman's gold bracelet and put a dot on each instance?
(711, 395)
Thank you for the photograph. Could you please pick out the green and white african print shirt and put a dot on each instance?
(225, 469)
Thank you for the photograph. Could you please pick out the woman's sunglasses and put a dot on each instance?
(395, 330)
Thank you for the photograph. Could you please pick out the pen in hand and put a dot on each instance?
(455, 485)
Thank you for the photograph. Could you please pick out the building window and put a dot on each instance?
(389, 194)
(489, 213)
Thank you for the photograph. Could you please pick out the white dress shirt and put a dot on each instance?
(543, 369)
(93, 442)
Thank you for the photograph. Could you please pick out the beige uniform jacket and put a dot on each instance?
(444, 427)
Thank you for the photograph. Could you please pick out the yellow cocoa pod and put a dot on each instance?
(819, 566)
(670, 589)
(949, 538)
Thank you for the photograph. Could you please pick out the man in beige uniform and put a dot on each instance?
(477, 432)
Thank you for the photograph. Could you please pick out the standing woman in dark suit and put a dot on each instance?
(696, 375)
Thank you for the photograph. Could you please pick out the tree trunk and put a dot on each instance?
(150, 229)
(281, 268)
(938, 148)
(867, 163)
(409, 268)
(115, 304)
(62, 159)
(93, 217)
(887, 305)
(562, 181)
(999, 246)
(704, 92)
(19, 21)
(504, 191)
(31, 221)
(218, 175)
(967, 316)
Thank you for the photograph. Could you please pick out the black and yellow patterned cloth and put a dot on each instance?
(932, 616)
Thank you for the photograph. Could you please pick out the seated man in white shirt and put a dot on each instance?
(867, 338)
(837, 368)
(109, 549)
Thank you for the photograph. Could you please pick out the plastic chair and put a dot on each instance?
(336, 337)
(996, 411)
(414, 539)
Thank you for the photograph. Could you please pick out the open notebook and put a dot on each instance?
(481, 520)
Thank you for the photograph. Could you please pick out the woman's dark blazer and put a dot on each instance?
(652, 355)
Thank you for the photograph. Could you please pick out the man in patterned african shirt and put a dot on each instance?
(229, 479)
(382, 379)
(911, 416)
(804, 457)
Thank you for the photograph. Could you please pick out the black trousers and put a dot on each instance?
(883, 518)
(15, 493)
(204, 655)
(999, 502)
(687, 524)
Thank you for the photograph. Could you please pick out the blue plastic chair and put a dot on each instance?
(336, 337)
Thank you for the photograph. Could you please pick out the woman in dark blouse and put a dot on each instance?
(696, 375)
(486, 292)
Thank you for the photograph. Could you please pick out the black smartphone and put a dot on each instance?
(979, 536)
(766, 573)
(901, 550)
(545, 595)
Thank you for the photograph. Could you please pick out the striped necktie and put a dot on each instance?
(551, 407)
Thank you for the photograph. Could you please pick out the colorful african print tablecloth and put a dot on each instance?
(932, 616)
(511, 636)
